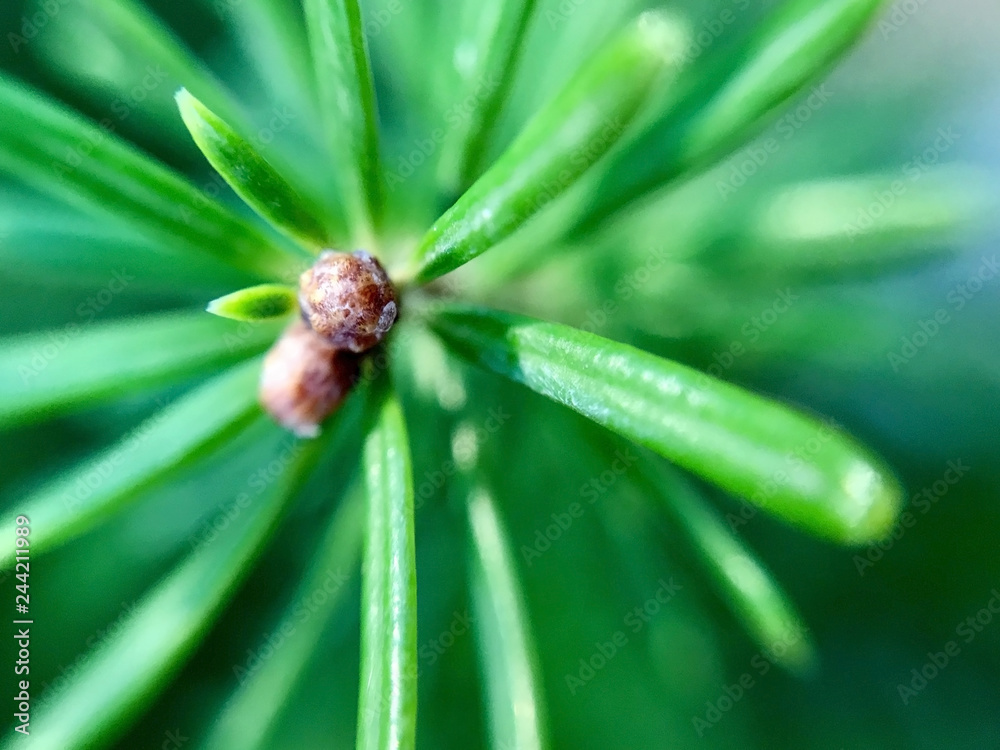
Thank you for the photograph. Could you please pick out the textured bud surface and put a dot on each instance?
(305, 379)
(347, 299)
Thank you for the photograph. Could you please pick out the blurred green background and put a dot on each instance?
(919, 91)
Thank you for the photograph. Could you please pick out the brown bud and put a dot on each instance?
(305, 379)
(347, 299)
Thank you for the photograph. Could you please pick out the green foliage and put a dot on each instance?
(121, 676)
(719, 105)
(71, 504)
(748, 445)
(560, 143)
(462, 476)
(44, 374)
(262, 302)
(747, 586)
(249, 174)
(496, 31)
(250, 714)
(506, 648)
(65, 156)
(347, 106)
(387, 713)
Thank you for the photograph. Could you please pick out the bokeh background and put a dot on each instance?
(919, 91)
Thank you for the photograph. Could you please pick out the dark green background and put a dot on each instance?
(829, 354)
